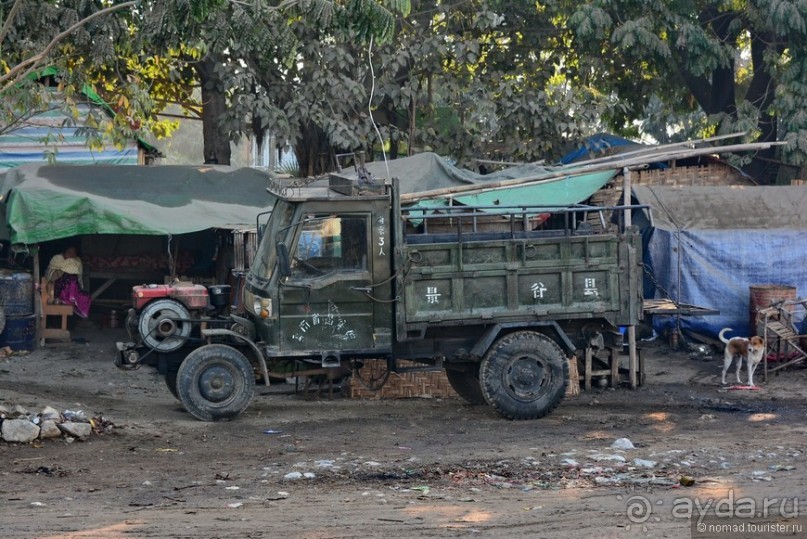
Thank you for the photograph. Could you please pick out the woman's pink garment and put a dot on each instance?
(67, 290)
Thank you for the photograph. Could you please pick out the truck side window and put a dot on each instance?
(330, 243)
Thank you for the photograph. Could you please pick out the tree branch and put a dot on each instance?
(10, 19)
(26, 67)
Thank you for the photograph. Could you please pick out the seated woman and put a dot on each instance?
(64, 271)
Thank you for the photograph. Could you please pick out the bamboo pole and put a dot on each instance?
(652, 149)
(580, 170)
(632, 359)
(509, 163)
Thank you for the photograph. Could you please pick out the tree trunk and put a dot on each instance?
(723, 83)
(762, 90)
(312, 150)
(214, 105)
(761, 93)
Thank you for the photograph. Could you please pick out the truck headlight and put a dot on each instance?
(262, 307)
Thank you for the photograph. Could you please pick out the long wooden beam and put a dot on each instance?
(585, 169)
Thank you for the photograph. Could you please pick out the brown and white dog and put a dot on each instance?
(741, 348)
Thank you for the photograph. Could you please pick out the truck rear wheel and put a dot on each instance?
(215, 382)
(466, 384)
(524, 375)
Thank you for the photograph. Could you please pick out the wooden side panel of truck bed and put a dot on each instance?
(546, 277)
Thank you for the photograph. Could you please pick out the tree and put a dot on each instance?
(462, 79)
(250, 68)
(75, 40)
(727, 65)
(488, 78)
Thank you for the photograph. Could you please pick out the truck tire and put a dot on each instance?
(215, 382)
(159, 327)
(466, 385)
(524, 375)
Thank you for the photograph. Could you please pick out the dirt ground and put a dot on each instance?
(400, 468)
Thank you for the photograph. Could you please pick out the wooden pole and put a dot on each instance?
(653, 149)
(570, 171)
(37, 295)
(632, 360)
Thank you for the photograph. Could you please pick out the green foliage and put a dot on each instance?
(77, 47)
(517, 80)
(697, 67)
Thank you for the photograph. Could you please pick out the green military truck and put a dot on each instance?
(497, 296)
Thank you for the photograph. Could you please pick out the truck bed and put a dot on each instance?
(483, 278)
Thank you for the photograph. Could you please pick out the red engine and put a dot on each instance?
(192, 296)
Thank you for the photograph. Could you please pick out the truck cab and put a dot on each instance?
(321, 286)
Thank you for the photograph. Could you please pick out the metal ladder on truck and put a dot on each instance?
(778, 324)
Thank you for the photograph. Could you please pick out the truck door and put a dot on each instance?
(324, 303)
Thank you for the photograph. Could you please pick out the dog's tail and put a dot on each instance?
(722, 338)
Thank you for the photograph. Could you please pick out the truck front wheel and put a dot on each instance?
(215, 382)
(524, 375)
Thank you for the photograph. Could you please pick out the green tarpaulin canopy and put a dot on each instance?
(44, 202)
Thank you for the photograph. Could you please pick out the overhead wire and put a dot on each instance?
(370, 106)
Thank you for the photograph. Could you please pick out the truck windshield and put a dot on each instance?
(265, 258)
(330, 243)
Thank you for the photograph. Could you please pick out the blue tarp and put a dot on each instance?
(707, 246)
(601, 145)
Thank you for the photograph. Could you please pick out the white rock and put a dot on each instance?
(309, 475)
(569, 462)
(372, 463)
(622, 443)
(50, 413)
(18, 412)
(293, 476)
(3, 411)
(49, 429)
(642, 463)
(78, 416)
(324, 463)
(78, 430)
(19, 430)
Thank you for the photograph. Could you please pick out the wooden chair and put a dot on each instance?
(50, 307)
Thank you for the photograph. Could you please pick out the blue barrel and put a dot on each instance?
(19, 333)
(16, 293)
